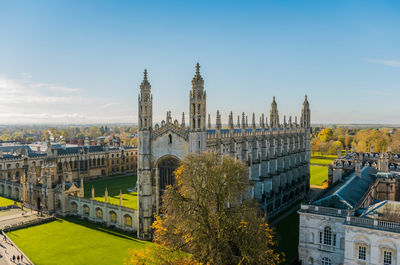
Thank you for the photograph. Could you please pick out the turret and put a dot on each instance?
(253, 121)
(197, 120)
(197, 102)
(145, 213)
(273, 115)
(145, 104)
(218, 121)
(305, 114)
(230, 121)
(183, 120)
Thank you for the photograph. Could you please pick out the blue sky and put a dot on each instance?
(83, 61)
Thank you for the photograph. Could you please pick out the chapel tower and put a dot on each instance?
(197, 119)
(144, 184)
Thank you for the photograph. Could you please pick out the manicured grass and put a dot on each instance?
(72, 241)
(287, 233)
(114, 185)
(321, 161)
(319, 174)
(6, 202)
(319, 154)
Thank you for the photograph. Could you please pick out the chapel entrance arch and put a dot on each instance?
(166, 176)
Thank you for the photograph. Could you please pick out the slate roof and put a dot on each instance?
(349, 193)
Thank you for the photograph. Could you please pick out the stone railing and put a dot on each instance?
(323, 210)
(373, 223)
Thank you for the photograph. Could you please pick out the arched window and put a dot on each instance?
(86, 210)
(74, 207)
(127, 220)
(326, 261)
(113, 217)
(170, 139)
(99, 213)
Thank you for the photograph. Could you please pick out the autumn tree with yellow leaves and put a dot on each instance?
(208, 217)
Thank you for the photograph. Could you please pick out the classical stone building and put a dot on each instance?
(356, 221)
(277, 154)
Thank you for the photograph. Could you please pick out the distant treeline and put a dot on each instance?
(330, 140)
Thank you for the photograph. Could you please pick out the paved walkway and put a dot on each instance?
(8, 249)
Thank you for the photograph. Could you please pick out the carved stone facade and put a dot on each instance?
(277, 155)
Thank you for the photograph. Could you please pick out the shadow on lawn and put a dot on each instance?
(100, 228)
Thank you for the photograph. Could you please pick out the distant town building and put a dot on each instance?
(44, 174)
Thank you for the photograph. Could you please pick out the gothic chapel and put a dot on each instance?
(277, 154)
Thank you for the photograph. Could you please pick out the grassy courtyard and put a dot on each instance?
(71, 241)
(287, 232)
(6, 202)
(319, 174)
(114, 185)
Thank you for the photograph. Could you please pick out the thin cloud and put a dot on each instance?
(391, 63)
(22, 100)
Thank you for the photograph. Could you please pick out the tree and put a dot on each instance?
(208, 214)
(325, 135)
(395, 145)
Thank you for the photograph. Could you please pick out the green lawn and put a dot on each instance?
(287, 233)
(319, 154)
(321, 161)
(6, 202)
(319, 174)
(72, 241)
(114, 185)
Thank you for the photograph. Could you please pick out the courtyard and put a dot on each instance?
(114, 185)
(73, 241)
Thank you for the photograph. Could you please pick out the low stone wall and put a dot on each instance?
(26, 224)
(119, 217)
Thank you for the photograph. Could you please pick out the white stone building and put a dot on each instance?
(341, 228)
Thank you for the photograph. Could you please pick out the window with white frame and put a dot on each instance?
(326, 261)
(387, 257)
(327, 236)
(362, 253)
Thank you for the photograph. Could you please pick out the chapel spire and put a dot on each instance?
(273, 115)
(197, 119)
(305, 114)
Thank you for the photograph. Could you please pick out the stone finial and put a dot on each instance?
(253, 122)
(238, 121)
(82, 190)
(183, 120)
(198, 69)
(290, 121)
(243, 120)
(145, 74)
(295, 120)
(106, 195)
(169, 118)
(266, 122)
(209, 122)
(247, 122)
(218, 121)
(284, 121)
(93, 192)
(120, 197)
(262, 121)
